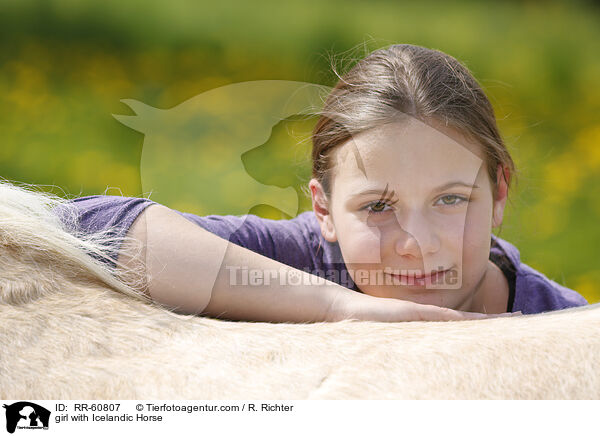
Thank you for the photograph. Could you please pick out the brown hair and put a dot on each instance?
(412, 80)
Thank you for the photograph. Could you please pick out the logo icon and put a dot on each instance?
(26, 415)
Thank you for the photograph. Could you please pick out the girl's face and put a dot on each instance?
(412, 209)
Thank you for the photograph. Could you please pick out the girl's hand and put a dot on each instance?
(369, 308)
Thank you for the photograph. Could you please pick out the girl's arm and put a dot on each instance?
(191, 270)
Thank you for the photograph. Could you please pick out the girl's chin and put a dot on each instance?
(437, 297)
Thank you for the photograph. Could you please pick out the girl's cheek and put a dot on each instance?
(478, 225)
(362, 246)
(476, 240)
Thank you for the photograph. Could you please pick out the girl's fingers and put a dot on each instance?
(502, 315)
(435, 313)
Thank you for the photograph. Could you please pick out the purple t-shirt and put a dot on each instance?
(298, 243)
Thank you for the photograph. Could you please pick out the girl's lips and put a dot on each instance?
(420, 280)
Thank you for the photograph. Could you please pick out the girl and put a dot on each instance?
(410, 175)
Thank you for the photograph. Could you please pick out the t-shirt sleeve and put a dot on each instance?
(106, 213)
(103, 212)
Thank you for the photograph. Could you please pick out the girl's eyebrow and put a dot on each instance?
(457, 183)
(439, 188)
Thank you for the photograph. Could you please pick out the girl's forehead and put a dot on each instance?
(408, 152)
(409, 142)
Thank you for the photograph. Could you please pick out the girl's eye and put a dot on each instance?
(377, 207)
(453, 200)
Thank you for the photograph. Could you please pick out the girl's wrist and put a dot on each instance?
(339, 303)
(347, 304)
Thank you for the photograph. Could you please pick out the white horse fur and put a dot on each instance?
(70, 330)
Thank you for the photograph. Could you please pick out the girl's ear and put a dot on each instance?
(502, 177)
(321, 207)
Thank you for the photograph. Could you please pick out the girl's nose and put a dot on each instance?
(414, 236)
(407, 245)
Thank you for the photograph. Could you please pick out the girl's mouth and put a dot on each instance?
(416, 279)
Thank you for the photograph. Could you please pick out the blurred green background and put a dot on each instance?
(65, 65)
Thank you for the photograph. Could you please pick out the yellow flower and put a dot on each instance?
(588, 285)
(587, 146)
